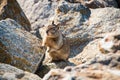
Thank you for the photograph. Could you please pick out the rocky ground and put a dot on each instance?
(91, 26)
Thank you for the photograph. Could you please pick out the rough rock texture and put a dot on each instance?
(87, 30)
(94, 65)
(89, 51)
(8, 72)
(96, 3)
(69, 13)
(99, 67)
(80, 25)
(11, 9)
(66, 13)
(18, 47)
(45, 11)
(100, 21)
(92, 54)
(98, 24)
(86, 23)
(38, 11)
(84, 72)
(94, 25)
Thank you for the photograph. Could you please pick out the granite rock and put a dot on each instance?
(96, 3)
(18, 47)
(91, 65)
(38, 11)
(8, 72)
(11, 9)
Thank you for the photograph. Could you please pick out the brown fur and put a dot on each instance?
(57, 47)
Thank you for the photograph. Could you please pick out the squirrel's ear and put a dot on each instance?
(53, 23)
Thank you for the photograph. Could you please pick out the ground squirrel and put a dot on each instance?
(57, 46)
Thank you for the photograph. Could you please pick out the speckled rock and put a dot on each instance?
(110, 60)
(100, 21)
(38, 11)
(11, 9)
(8, 72)
(93, 23)
(18, 47)
(86, 22)
(93, 52)
(91, 65)
(41, 14)
(84, 72)
(68, 13)
(89, 52)
(71, 17)
(80, 25)
(96, 3)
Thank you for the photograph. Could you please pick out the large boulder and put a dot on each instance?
(8, 72)
(105, 51)
(84, 72)
(11, 9)
(89, 52)
(100, 21)
(96, 3)
(18, 47)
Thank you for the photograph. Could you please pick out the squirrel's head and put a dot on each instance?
(52, 30)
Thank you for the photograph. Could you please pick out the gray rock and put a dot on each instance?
(8, 72)
(94, 65)
(11, 9)
(111, 60)
(96, 3)
(38, 11)
(76, 25)
(92, 54)
(18, 47)
(71, 18)
(101, 21)
(89, 72)
(89, 52)
(96, 24)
